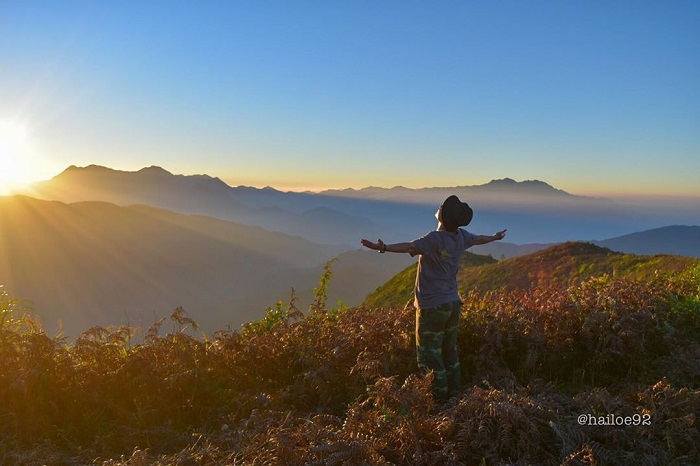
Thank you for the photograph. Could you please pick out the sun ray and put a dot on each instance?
(57, 239)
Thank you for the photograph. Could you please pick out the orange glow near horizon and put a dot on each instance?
(21, 165)
(616, 190)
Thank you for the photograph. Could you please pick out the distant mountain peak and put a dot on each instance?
(533, 186)
(75, 170)
(93, 168)
(501, 182)
(154, 170)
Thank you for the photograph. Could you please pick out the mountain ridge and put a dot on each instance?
(495, 184)
(403, 213)
(500, 183)
(198, 194)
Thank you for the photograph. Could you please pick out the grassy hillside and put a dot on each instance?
(341, 387)
(560, 265)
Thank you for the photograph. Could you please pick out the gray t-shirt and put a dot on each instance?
(436, 280)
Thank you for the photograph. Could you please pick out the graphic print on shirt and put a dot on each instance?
(444, 255)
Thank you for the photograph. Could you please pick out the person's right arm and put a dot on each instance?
(484, 239)
(381, 246)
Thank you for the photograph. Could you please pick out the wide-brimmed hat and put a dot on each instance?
(455, 213)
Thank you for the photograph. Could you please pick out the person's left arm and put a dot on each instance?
(483, 239)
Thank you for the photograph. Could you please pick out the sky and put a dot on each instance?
(593, 97)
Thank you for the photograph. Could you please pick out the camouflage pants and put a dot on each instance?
(436, 347)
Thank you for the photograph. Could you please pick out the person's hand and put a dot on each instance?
(500, 235)
(376, 246)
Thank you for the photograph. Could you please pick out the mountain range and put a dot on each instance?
(525, 191)
(293, 214)
(533, 211)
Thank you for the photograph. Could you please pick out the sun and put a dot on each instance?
(18, 161)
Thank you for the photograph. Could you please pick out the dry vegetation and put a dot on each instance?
(340, 386)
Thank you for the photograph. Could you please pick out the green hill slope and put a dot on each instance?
(563, 265)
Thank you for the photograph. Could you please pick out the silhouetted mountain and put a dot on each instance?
(536, 187)
(288, 213)
(95, 263)
(524, 190)
(562, 264)
(680, 240)
(152, 186)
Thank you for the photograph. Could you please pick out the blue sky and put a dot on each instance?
(592, 97)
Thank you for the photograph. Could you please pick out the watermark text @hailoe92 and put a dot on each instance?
(614, 420)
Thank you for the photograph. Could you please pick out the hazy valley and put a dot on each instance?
(95, 263)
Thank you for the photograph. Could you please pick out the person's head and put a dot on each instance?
(454, 213)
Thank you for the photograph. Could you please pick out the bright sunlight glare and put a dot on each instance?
(17, 158)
